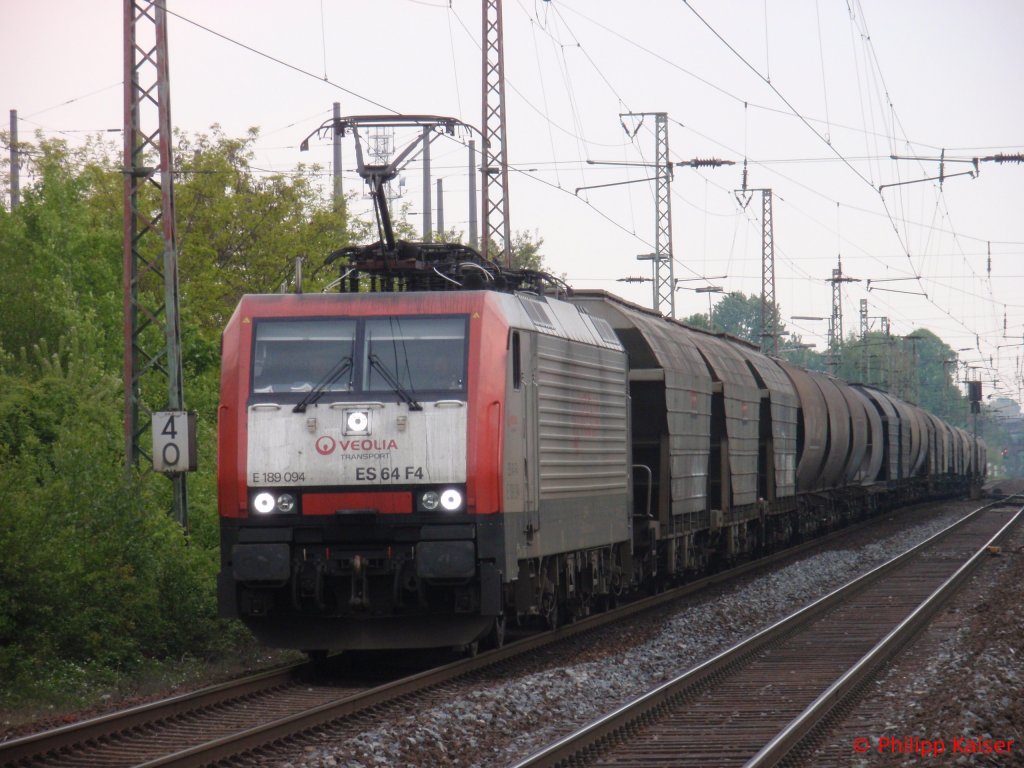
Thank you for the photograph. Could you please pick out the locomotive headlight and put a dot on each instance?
(286, 503)
(263, 503)
(357, 423)
(430, 501)
(451, 500)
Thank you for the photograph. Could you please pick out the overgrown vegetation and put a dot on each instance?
(97, 583)
(919, 367)
(99, 587)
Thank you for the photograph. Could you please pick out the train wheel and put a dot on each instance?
(495, 637)
(551, 617)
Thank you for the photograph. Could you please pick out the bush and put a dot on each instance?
(95, 576)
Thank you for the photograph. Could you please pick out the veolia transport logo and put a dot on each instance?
(355, 448)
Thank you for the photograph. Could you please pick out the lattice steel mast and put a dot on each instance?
(769, 329)
(495, 150)
(835, 323)
(152, 332)
(663, 269)
(769, 314)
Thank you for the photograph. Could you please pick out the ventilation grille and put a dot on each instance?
(537, 312)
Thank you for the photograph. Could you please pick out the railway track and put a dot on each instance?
(756, 702)
(227, 720)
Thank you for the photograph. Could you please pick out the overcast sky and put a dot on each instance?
(816, 95)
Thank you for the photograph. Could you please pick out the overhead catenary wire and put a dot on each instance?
(909, 217)
(276, 60)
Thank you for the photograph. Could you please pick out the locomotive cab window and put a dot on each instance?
(296, 356)
(420, 354)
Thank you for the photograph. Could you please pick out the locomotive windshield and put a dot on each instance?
(419, 354)
(295, 356)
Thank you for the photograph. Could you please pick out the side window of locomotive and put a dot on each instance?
(517, 362)
(297, 355)
(420, 353)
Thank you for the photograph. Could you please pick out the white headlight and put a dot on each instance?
(357, 422)
(264, 503)
(451, 500)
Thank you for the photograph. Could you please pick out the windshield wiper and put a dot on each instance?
(343, 366)
(375, 362)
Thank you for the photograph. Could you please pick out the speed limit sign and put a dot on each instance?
(174, 441)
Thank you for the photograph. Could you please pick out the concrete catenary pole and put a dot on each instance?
(440, 207)
(427, 225)
(474, 237)
(339, 194)
(15, 181)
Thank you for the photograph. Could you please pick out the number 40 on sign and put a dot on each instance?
(174, 441)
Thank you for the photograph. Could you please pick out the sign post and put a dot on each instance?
(174, 441)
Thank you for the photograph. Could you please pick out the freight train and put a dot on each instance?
(445, 445)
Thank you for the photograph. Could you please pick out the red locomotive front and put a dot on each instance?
(359, 468)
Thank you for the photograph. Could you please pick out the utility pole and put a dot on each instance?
(912, 390)
(495, 148)
(769, 327)
(15, 162)
(663, 268)
(474, 237)
(339, 195)
(150, 252)
(835, 325)
(974, 396)
(440, 208)
(886, 331)
(663, 277)
(865, 328)
(864, 363)
(947, 384)
(427, 223)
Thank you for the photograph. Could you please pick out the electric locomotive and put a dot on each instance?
(387, 460)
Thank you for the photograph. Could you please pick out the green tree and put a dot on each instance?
(698, 320)
(240, 230)
(740, 315)
(525, 247)
(60, 252)
(95, 578)
(918, 367)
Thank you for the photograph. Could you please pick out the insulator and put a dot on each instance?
(711, 162)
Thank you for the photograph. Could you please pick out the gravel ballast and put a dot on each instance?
(507, 719)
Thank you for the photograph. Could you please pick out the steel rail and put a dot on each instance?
(645, 708)
(67, 736)
(291, 726)
(109, 726)
(888, 647)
